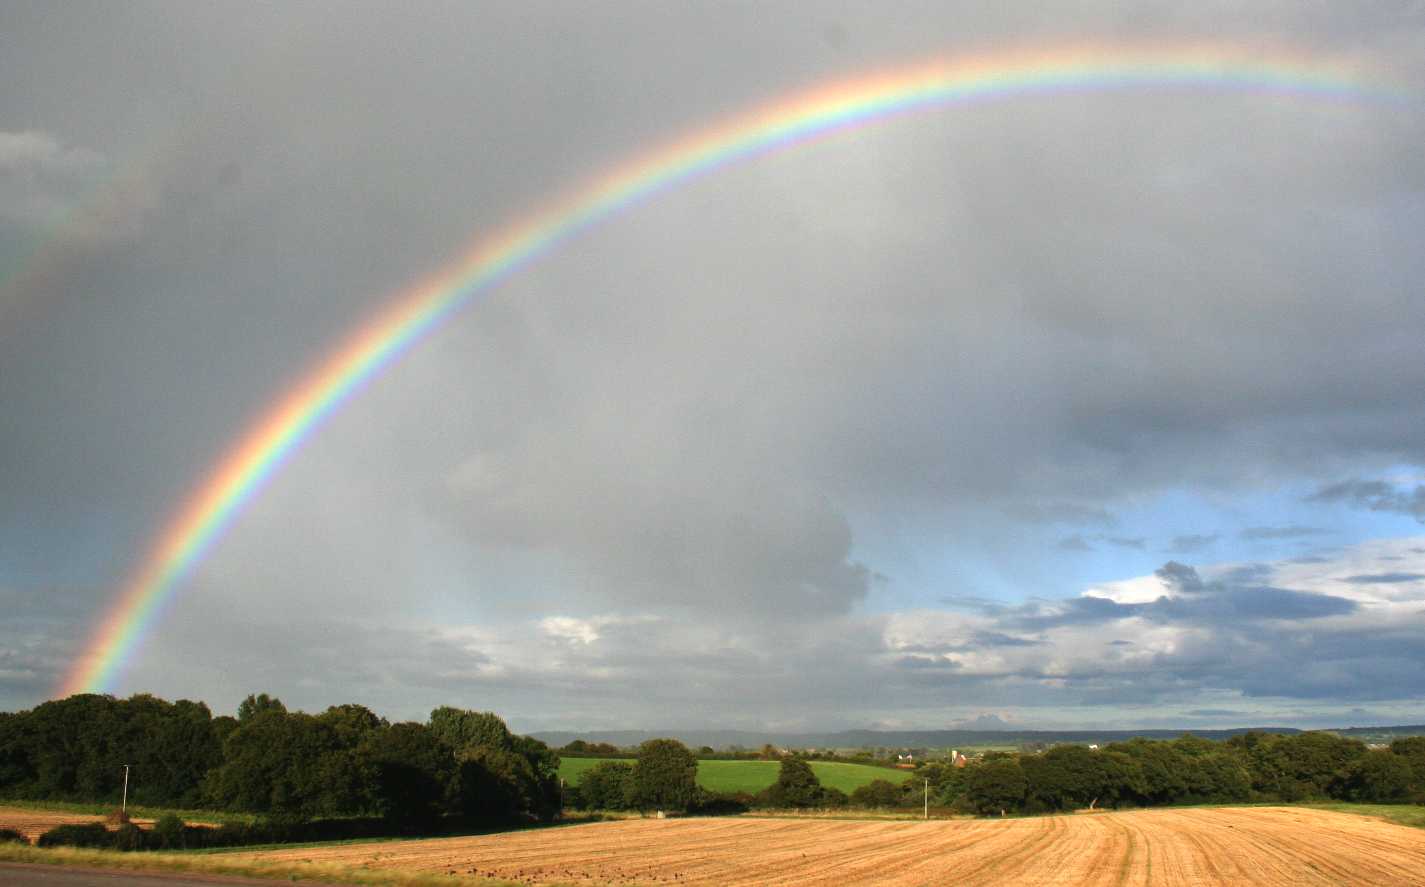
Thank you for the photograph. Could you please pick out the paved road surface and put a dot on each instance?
(16, 875)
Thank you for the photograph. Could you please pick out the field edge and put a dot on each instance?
(186, 863)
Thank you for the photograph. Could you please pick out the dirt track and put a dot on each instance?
(1262, 845)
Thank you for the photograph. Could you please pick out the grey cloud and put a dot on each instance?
(1383, 578)
(1233, 604)
(1292, 532)
(1181, 577)
(1074, 543)
(949, 339)
(1137, 543)
(1074, 611)
(1062, 513)
(1195, 602)
(41, 178)
(1193, 542)
(1375, 495)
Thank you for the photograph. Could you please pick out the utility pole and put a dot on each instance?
(927, 799)
(125, 807)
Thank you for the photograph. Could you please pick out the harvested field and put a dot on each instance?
(33, 823)
(1198, 846)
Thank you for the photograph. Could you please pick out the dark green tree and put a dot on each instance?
(412, 774)
(665, 776)
(461, 729)
(796, 786)
(996, 785)
(255, 705)
(1377, 777)
(608, 785)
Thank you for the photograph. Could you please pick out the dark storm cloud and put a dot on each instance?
(1375, 495)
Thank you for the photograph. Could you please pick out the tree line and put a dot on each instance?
(348, 763)
(344, 762)
(1252, 767)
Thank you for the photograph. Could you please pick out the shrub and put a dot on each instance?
(88, 834)
(834, 797)
(10, 836)
(877, 793)
(129, 837)
(608, 785)
(721, 803)
(168, 832)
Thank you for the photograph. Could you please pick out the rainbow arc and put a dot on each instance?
(200, 520)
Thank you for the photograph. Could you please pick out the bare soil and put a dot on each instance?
(33, 823)
(1197, 846)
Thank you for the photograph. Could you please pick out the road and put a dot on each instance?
(17, 875)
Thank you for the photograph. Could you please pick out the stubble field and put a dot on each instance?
(1171, 847)
(32, 823)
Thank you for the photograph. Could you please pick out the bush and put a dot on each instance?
(88, 834)
(877, 793)
(10, 836)
(834, 797)
(129, 837)
(721, 803)
(608, 785)
(168, 832)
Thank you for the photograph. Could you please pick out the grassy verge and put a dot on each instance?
(1405, 814)
(135, 810)
(324, 873)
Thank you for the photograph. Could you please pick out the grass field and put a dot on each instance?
(753, 776)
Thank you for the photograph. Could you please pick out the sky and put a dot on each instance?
(1088, 409)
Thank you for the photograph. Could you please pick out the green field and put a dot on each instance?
(753, 776)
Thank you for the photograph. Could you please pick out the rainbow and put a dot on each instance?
(412, 314)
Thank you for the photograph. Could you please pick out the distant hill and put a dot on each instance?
(720, 739)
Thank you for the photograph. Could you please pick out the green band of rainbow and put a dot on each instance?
(203, 516)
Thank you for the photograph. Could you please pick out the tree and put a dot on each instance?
(289, 764)
(253, 706)
(412, 774)
(608, 785)
(461, 729)
(665, 776)
(1378, 777)
(1412, 751)
(796, 785)
(995, 785)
